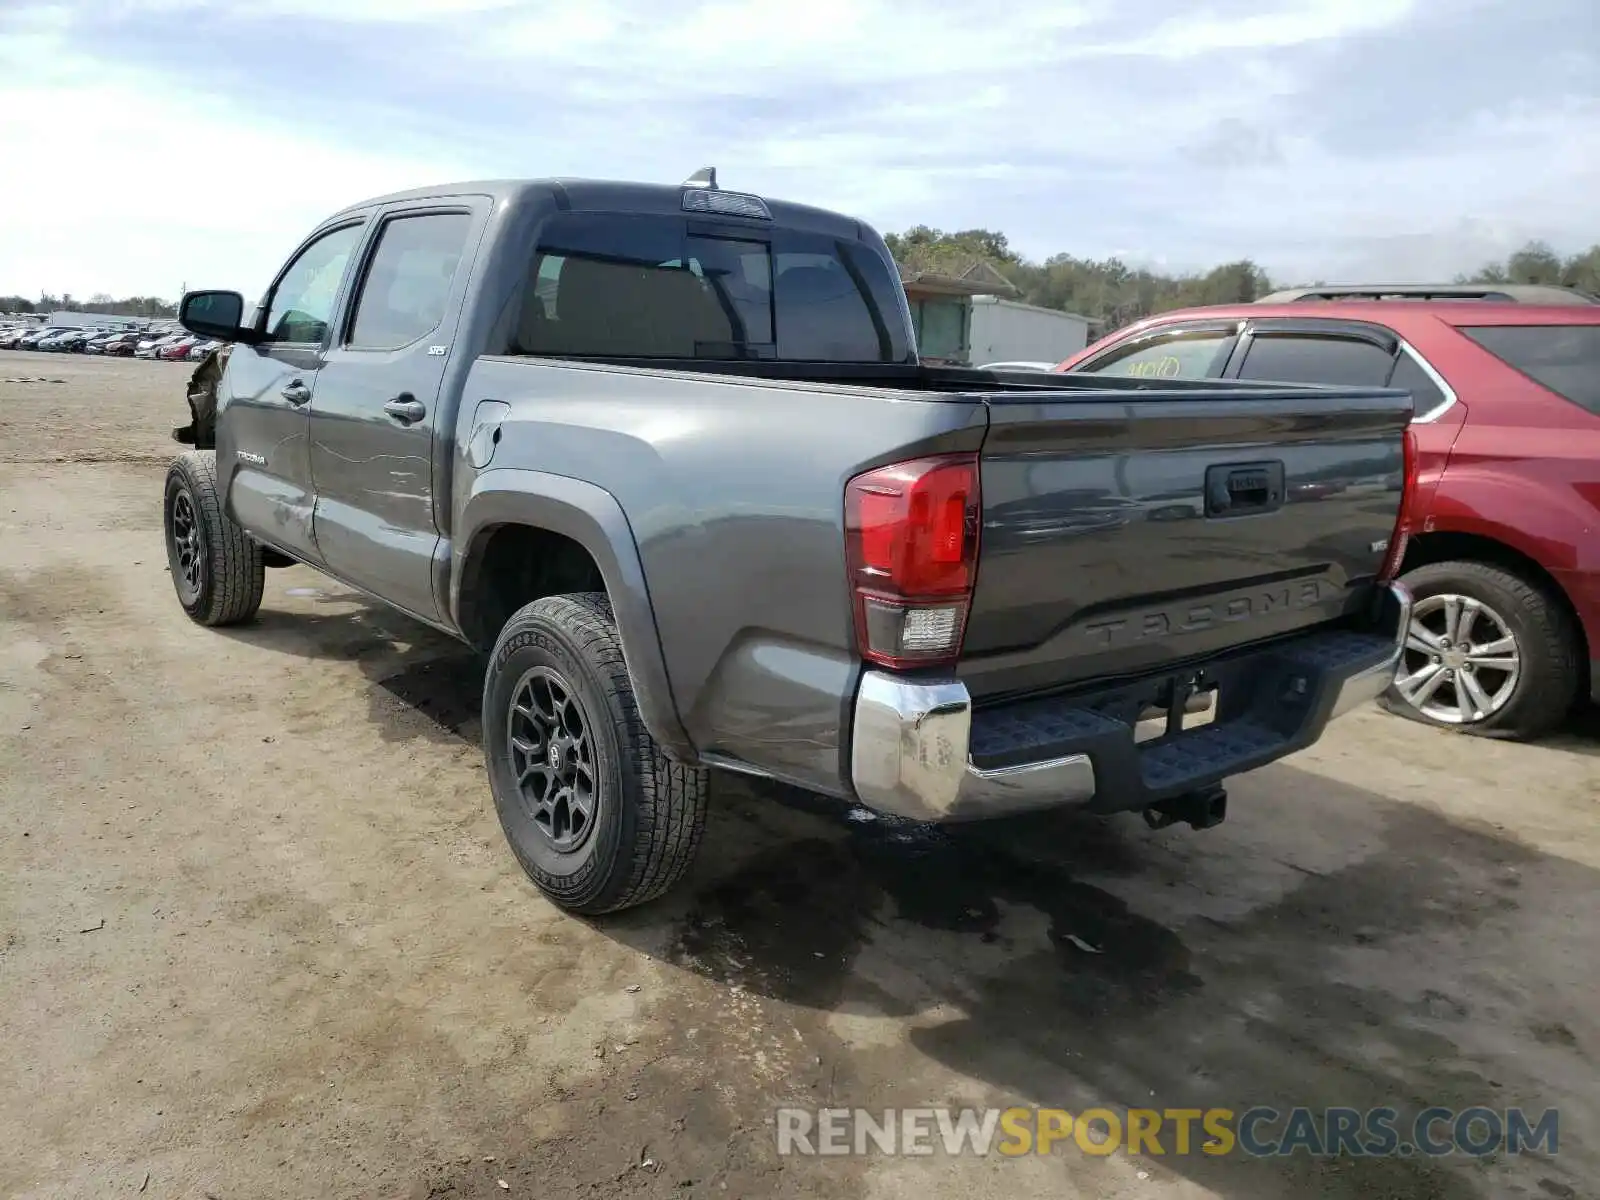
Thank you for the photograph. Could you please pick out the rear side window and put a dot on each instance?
(1564, 358)
(1426, 398)
(836, 303)
(1194, 355)
(1300, 358)
(647, 287)
(408, 282)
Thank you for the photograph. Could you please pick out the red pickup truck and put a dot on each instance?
(1504, 547)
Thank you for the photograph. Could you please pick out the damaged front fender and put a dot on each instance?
(201, 432)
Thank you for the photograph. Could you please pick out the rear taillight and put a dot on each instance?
(1402, 521)
(911, 541)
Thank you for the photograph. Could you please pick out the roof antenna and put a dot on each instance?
(705, 177)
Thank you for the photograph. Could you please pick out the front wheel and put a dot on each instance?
(597, 815)
(216, 570)
(1488, 653)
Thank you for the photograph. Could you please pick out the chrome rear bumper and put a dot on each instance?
(912, 746)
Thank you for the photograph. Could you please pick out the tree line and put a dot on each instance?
(1112, 294)
(100, 302)
(1107, 291)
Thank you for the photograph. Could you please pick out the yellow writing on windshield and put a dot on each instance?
(1165, 367)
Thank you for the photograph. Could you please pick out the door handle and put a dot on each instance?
(406, 408)
(295, 392)
(1237, 489)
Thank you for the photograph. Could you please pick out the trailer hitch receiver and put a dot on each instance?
(1199, 809)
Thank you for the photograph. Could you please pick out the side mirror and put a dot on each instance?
(215, 315)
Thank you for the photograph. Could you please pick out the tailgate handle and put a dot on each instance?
(1237, 489)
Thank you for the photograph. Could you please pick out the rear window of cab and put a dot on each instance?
(652, 287)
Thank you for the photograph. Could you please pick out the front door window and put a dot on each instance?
(302, 303)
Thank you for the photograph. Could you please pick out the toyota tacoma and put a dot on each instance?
(667, 457)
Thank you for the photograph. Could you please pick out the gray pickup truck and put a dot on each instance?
(667, 456)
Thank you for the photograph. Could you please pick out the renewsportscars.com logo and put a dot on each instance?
(1259, 1132)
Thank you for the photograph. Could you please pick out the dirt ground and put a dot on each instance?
(260, 937)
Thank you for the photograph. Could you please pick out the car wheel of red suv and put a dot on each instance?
(1488, 653)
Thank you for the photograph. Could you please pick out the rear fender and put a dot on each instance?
(1564, 551)
(591, 517)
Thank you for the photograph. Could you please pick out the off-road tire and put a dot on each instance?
(1548, 640)
(232, 575)
(650, 811)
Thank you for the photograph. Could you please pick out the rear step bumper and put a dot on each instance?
(919, 749)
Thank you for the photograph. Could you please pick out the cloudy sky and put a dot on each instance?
(149, 143)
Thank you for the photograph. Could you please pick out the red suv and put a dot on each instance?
(1504, 552)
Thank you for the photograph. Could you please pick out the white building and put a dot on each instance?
(1009, 331)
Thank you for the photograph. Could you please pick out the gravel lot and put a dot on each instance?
(259, 935)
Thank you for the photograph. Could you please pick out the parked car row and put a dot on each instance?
(173, 347)
(167, 344)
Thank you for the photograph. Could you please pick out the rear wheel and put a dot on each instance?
(1488, 653)
(597, 815)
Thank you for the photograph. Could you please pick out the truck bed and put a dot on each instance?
(1111, 544)
(916, 377)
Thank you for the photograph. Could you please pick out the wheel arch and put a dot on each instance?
(529, 534)
(1454, 545)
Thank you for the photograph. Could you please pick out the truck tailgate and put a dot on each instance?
(1122, 535)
